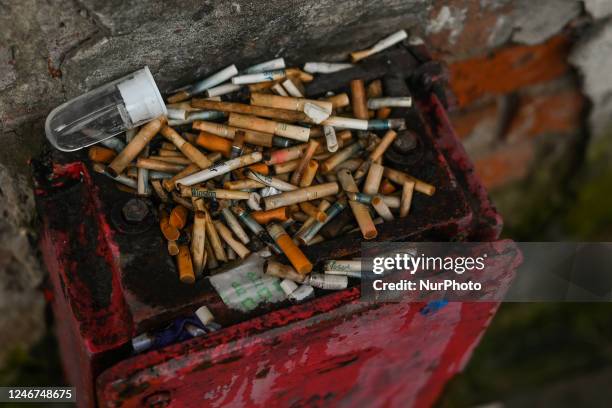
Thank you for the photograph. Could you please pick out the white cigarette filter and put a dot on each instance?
(327, 282)
(222, 89)
(275, 64)
(379, 46)
(264, 76)
(220, 169)
(316, 113)
(346, 123)
(205, 316)
(304, 292)
(396, 102)
(278, 88)
(288, 286)
(271, 181)
(325, 67)
(214, 80)
(292, 89)
(330, 138)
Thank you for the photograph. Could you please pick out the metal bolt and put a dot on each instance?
(135, 210)
(405, 142)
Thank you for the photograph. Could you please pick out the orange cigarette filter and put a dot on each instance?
(260, 168)
(309, 173)
(179, 216)
(297, 258)
(185, 266)
(383, 113)
(214, 143)
(171, 233)
(278, 214)
(101, 154)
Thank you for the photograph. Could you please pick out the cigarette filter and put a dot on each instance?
(325, 67)
(346, 123)
(299, 133)
(213, 80)
(360, 211)
(407, 191)
(222, 89)
(198, 243)
(186, 148)
(220, 169)
(138, 143)
(173, 248)
(358, 99)
(285, 155)
(399, 177)
(214, 143)
(274, 64)
(204, 315)
(341, 156)
(282, 271)
(259, 77)
(372, 182)
(178, 217)
(234, 225)
(379, 46)
(286, 102)
(226, 234)
(280, 214)
(288, 286)
(381, 208)
(301, 195)
(327, 282)
(390, 102)
(213, 238)
(338, 101)
(229, 132)
(297, 258)
(330, 138)
(292, 89)
(185, 267)
(308, 153)
(309, 173)
(101, 154)
(271, 181)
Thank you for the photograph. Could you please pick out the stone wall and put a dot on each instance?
(532, 81)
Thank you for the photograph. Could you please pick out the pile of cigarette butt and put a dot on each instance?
(267, 176)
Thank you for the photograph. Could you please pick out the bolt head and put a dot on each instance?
(135, 210)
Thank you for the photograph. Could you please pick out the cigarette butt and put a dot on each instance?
(288, 286)
(204, 315)
(372, 182)
(186, 148)
(325, 67)
(358, 99)
(171, 233)
(285, 155)
(198, 243)
(263, 86)
(278, 88)
(280, 214)
(152, 164)
(226, 234)
(169, 184)
(390, 102)
(331, 140)
(297, 258)
(261, 168)
(173, 248)
(386, 187)
(380, 149)
(286, 167)
(214, 143)
(169, 153)
(168, 146)
(300, 216)
(375, 90)
(179, 97)
(347, 123)
(327, 282)
(213, 237)
(381, 208)
(299, 133)
(294, 87)
(338, 101)
(407, 191)
(309, 173)
(185, 266)
(341, 156)
(220, 169)
(229, 132)
(299, 170)
(211, 260)
(287, 102)
(159, 191)
(383, 113)
(313, 211)
(138, 143)
(245, 184)
(301, 195)
(179, 216)
(234, 225)
(380, 45)
(282, 271)
(344, 136)
(283, 115)
(172, 159)
(350, 164)
(399, 177)
(215, 194)
(271, 181)
(101, 154)
(360, 211)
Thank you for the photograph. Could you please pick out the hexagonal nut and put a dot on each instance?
(135, 210)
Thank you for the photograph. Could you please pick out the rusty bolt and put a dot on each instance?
(405, 142)
(135, 210)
